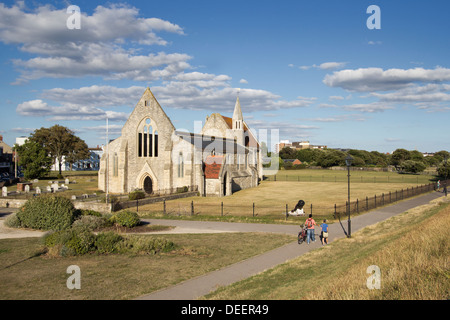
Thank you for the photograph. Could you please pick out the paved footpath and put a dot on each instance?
(202, 285)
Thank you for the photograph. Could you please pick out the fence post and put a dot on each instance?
(382, 199)
(335, 210)
(221, 209)
(311, 208)
(137, 205)
(253, 209)
(192, 208)
(286, 211)
(164, 207)
(375, 201)
(367, 203)
(357, 205)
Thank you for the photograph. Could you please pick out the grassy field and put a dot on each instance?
(81, 182)
(26, 272)
(323, 175)
(270, 199)
(411, 250)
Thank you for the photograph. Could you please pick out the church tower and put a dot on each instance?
(238, 123)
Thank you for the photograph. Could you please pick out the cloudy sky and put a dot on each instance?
(310, 70)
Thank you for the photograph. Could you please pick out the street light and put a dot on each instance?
(348, 162)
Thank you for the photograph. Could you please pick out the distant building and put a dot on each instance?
(6, 159)
(300, 145)
(91, 163)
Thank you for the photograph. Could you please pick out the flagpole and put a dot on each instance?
(107, 159)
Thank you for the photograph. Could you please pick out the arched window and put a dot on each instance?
(115, 165)
(147, 139)
(180, 165)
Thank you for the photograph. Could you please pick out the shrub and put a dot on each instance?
(90, 223)
(71, 241)
(87, 212)
(145, 244)
(12, 221)
(127, 219)
(136, 194)
(106, 242)
(47, 212)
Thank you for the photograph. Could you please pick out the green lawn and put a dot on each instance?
(27, 273)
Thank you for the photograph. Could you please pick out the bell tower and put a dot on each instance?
(238, 123)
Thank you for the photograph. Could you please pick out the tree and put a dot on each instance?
(398, 156)
(34, 159)
(80, 151)
(412, 166)
(444, 169)
(60, 142)
(287, 153)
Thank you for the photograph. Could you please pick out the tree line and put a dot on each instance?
(404, 161)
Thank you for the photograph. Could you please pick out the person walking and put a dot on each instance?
(310, 223)
(324, 234)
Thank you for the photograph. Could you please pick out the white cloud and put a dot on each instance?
(362, 107)
(428, 93)
(97, 49)
(331, 65)
(325, 66)
(377, 79)
(332, 98)
(39, 108)
(243, 81)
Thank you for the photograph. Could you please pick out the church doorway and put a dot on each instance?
(148, 185)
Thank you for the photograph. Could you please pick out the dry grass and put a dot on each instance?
(270, 199)
(411, 250)
(413, 267)
(27, 272)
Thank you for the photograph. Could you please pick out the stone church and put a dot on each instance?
(153, 156)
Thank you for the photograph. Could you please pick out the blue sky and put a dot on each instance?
(312, 70)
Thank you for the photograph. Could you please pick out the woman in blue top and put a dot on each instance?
(324, 235)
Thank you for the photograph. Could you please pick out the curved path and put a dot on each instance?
(202, 285)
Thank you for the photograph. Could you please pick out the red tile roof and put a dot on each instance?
(213, 164)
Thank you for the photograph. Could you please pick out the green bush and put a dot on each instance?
(145, 244)
(47, 212)
(90, 223)
(136, 194)
(127, 219)
(71, 241)
(12, 221)
(87, 212)
(106, 242)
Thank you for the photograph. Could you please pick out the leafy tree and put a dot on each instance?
(287, 153)
(80, 151)
(412, 166)
(444, 170)
(60, 142)
(398, 156)
(34, 159)
(330, 158)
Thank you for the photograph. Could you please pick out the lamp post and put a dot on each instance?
(348, 162)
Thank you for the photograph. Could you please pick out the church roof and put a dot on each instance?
(219, 144)
(213, 164)
(251, 142)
